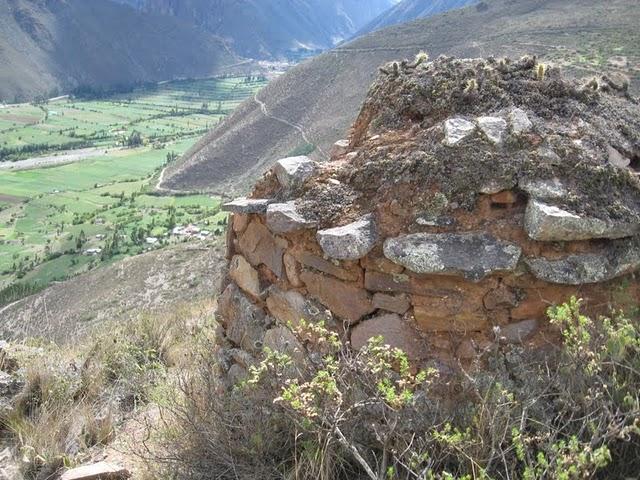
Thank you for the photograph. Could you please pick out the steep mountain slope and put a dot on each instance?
(60, 44)
(266, 29)
(408, 10)
(321, 97)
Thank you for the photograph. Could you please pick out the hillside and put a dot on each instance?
(56, 45)
(408, 10)
(149, 282)
(261, 29)
(321, 97)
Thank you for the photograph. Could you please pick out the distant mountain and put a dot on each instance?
(321, 97)
(408, 10)
(272, 28)
(56, 45)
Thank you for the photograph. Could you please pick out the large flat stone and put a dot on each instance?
(244, 322)
(97, 471)
(471, 255)
(456, 130)
(289, 307)
(352, 273)
(285, 218)
(346, 300)
(395, 331)
(349, 242)
(259, 246)
(620, 258)
(246, 205)
(245, 276)
(293, 171)
(545, 222)
(398, 303)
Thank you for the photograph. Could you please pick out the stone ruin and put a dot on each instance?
(471, 196)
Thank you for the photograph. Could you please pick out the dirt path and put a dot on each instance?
(297, 127)
(69, 156)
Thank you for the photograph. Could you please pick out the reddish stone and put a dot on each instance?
(381, 264)
(506, 197)
(351, 274)
(260, 247)
(392, 303)
(245, 276)
(396, 333)
(428, 286)
(239, 222)
(503, 296)
(292, 267)
(465, 322)
(346, 300)
(446, 304)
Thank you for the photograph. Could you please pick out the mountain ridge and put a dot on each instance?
(321, 96)
(269, 30)
(58, 45)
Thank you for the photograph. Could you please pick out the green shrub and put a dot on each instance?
(570, 411)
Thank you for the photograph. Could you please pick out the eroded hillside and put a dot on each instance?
(320, 97)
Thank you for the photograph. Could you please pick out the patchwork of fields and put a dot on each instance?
(60, 221)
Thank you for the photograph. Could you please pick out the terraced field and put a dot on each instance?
(63, 220)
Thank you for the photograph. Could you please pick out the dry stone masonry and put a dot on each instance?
(470, 197)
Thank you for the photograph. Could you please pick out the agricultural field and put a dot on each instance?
(159, 113)
(63, 220)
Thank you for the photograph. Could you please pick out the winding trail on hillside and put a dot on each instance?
(303, 134)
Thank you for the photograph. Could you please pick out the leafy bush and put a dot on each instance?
(570, 411)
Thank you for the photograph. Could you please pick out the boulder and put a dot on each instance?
(456, 130)
(346, 300)
(395, 331)
(545, 222)
(293, 171)
(520, 122)
(349, 242)
(285, 218)
(97, 471)
(244, 322)
(472, 255)
(494, 128)
(245, 276)
(244, 205)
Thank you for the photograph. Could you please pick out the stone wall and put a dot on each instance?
(371, 251)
